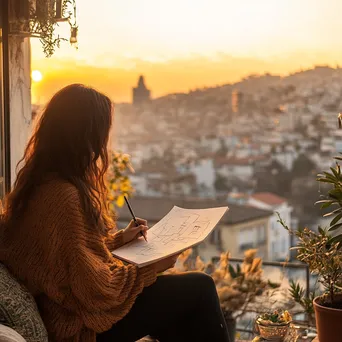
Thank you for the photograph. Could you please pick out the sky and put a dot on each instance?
(186, 44)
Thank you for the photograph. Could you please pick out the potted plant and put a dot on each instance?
(323, 254)
(273, 325)
(328, 307)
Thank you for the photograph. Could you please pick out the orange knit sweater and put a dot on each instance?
(79, 287)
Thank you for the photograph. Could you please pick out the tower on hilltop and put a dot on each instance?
(141, 93)
(236, 102)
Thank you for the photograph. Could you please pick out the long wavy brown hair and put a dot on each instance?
(70, 141)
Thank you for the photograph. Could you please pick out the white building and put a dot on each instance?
(286, 158)
(204, 172)
(328, 144)
(278, 237)
(210, 143)
(242, 168)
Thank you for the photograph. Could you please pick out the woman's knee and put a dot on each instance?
(202, 280)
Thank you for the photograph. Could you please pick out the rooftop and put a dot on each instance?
(269, 198)
(155, 208)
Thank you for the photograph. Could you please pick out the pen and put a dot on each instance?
(134, 219)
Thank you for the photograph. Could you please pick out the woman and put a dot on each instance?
(56, 239)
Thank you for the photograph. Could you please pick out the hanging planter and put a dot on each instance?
(39, 19)
(73, 35)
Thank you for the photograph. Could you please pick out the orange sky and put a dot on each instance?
(183, 44)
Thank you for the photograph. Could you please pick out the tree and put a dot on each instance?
(221, 183)
(275, 178)
(119, 184)
(303, 166)
(223, 150)
(304, 193)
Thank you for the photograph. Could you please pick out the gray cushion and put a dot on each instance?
(18, 309)
(9, 335)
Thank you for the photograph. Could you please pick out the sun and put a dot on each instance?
(36, 76)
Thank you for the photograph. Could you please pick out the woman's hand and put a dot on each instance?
(132, 232)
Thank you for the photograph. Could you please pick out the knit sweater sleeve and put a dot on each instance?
(100, 284)
(115, 240)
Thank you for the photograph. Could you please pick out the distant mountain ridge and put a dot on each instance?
(255, 82)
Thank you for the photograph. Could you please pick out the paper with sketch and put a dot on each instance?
(179, 230)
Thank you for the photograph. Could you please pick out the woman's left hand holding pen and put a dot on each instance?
(133, 232)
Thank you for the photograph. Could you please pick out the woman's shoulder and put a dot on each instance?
(57, 192)
(56, 203)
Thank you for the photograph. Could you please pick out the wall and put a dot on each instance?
(286, 159)
(244, 172)
(20, 98)
(205, 173)
(279, 239)
(139, 184)
(230, 239)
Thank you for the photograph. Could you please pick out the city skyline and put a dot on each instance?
(180, 46)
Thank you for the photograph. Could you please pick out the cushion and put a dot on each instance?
(18, 309)
(9, 335)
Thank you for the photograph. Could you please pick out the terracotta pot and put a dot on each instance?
(328, 321)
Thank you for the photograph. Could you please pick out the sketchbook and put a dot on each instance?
(177, 231)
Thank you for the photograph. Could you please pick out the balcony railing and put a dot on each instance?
(288, 265)
(278, 264)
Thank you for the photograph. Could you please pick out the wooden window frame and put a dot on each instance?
(5, 156)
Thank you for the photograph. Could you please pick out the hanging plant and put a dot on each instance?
(40, 18)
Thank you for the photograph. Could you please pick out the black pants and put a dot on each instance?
(175, 308)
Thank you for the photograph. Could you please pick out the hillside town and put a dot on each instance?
(170, 171)
(256, 145)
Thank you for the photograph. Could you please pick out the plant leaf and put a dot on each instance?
(232, 271)
(333, 212)
(324, 180)
(327, 204)
(336, 219)
(337, 238)
(329, 176)
(335, 226)
(238, 269)
(334, 172)
(321, 230)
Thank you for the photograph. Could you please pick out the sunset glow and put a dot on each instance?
(36, 76)
(220, 40)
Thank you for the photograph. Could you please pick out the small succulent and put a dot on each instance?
(274, 318)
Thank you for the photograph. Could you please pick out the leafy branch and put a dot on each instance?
(333, 199)
(119, 184)
(41, 21)
(297, 293)
(322, 253)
